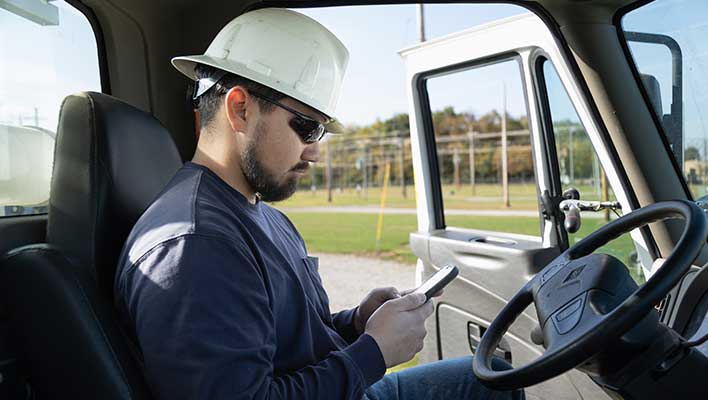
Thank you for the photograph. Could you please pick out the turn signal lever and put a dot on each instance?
(572, 206)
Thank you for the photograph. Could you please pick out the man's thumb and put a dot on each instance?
(410, 301)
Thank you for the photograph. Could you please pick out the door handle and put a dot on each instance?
(475, 333)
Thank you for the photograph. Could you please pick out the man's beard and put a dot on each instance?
(262, 181)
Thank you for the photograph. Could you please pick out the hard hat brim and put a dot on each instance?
(187, 64)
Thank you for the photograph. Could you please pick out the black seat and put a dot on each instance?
(111, 160)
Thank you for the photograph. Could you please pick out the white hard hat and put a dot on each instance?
(281, 49)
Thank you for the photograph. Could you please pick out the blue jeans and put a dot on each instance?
(446, 379)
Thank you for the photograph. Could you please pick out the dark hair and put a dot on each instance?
(209, 102)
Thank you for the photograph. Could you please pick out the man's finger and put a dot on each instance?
(408, 302)
(425, 310)
(387, 293)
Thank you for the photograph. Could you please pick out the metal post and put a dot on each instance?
(470, 135)
(341, 178)
(703, 164)
(596, 174)
(401, 163)
(505, 160)
(379, 225)
(329, 172)
(421, 23)
(605, 194)
(340, 167)
(456, 164)
(366, 170)
(570, 154)
(313, 183)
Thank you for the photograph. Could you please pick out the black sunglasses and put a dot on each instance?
(309, 130)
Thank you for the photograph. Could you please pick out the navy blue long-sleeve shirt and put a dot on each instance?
(226, 304)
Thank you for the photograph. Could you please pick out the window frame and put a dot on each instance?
(549, 144)
(100, 42)
(552, 156)
(429, 131)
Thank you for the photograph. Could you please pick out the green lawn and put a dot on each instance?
(356, 233)
(484, 196)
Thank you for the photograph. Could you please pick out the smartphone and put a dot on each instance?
(438, 281)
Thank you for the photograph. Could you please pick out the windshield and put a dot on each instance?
(666, 40)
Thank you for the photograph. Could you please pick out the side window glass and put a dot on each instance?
(579, 168)
(483, 143)
(667, 42)
(52, 53)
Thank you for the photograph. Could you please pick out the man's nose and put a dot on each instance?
(311, 152)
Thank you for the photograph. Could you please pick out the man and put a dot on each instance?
(218, 287)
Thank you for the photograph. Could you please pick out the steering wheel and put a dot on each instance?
(584, 300)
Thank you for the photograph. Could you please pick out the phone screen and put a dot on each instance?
(438, 280)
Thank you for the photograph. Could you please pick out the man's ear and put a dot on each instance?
(235, 104)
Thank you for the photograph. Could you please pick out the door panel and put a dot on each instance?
(453, 319)
(19, 231)
(485, 256)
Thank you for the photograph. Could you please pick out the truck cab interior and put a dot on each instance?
(116, 146)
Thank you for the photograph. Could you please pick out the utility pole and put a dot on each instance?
(421, 23)
(570, 152)
(470, 136)
(505, 158)
(329, 172)
(605, 194)
(705, 158)
(596, 174)
(341, 167)
(367, 161)
(456, 164)
(401, 164)
(313, 181)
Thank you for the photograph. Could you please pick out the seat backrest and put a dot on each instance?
(111, 161)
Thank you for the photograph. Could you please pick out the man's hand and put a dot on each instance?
(374, 300)
(398, 327)
(371, 303)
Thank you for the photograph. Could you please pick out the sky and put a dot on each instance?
(40, 65)
(374, 86)
(45, 63)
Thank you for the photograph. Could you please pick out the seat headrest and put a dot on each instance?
(110, 161)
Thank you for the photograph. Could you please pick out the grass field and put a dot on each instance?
(356, 233)
(484, 196)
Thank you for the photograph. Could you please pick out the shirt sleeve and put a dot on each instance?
(202, 314)
(343, 322)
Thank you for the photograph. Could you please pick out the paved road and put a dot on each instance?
(347, 278)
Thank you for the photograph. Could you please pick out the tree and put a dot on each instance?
(692, 153)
